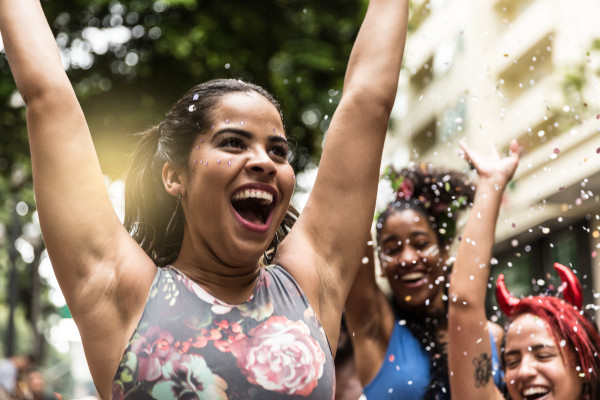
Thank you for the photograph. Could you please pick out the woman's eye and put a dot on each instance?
(391, 250)
(234, 142)
(545, 356)
(421, 245)
(280, 151)
(511, 363)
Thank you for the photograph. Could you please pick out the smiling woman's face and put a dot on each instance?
(536, 366)
(240, 181)
(412, 260)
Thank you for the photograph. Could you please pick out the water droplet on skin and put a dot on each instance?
(195, 161)
(226, 121)
(201, 140)
(365, 260)
(212, 127)
(228, 162)
(196, 97)
(192, 108)
(206, 164)
(242, 123)
(218, 161)
(197, 147)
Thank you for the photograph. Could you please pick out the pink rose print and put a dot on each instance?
(153, 350)
(189, 378)
(280, 355)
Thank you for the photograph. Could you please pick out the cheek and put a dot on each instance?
(288, 180)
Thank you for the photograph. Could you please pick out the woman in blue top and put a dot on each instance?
(400, 342)
(211, 187)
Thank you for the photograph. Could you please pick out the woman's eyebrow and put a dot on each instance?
(248, 135)
(237, 131)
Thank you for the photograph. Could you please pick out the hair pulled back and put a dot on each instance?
(152, 215)
(437, 194)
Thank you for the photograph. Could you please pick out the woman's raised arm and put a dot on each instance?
(89, 248)
(469, 357)
(370, 319)
(335, 224)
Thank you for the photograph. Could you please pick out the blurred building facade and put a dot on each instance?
(492, 70)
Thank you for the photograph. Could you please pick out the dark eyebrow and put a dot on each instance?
(533, 348)
(411, 235)
(248, 135)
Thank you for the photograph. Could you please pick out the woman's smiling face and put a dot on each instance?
(536, 367)
(412, 260)
(240, 182)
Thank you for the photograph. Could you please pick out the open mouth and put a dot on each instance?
(254, 206)
(412, 277)
(535, 392)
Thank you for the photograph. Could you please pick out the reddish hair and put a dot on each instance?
(571, 325)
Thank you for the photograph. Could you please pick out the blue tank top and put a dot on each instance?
(406, 371)
(191, 345)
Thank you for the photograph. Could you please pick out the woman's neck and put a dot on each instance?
(232, 285)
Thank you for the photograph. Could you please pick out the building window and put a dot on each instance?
(422, 78)
(509, 10)
(418, 14)
(528, 267)
(453, 121)
(424, 139)
(529, 69)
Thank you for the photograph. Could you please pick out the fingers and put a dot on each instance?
(515, 150)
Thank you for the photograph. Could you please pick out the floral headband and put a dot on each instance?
(436, 196)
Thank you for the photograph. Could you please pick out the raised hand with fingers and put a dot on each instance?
(471, 363)
(493, 167)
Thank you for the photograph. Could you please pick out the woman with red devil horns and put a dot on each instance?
(551, 348)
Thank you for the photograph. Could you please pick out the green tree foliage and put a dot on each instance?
(130, 60)
(296, 49)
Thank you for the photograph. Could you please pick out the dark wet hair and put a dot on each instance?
(152, 215)
(437, 194)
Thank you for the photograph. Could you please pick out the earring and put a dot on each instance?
(170, 225)
(269, 254)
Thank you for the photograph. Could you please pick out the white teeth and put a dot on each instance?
(535, 390)
(413, 276)
(266, 197)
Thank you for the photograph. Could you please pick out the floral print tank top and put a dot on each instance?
(190, 345)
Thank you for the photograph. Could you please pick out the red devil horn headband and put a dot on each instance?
(506, 301)
(572, 292)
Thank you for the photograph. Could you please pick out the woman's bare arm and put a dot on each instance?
(370, 320)
(323, 250)
(95, 260)
(469, 351)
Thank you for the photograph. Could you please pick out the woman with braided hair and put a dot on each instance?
(400, 341)
(551, 349)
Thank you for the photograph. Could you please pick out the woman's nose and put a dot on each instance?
(527, 368)
(408, 257)
(261, 162)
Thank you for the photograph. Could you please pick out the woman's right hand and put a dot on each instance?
(494, 168)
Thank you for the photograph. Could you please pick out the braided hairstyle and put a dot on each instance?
(439, 195)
